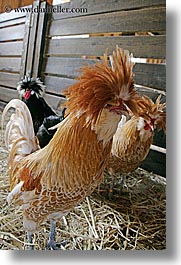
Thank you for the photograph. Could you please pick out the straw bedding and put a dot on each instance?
(124, 213)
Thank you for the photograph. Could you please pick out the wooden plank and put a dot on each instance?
(87, 7)
(11, 48)
(155, 162)
(151, 75)
(144, 20)
(10, 64)
(11, 23)
(54, 101)
(12, 33)
(140, 46)
(56, 84)
(32, 38)
(40, 40)
(6, 94)
(151, 92)
(12, 15)
(65, 67)
(25, 46)
(9, 79)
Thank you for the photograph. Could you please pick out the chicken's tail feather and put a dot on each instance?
(20, 139)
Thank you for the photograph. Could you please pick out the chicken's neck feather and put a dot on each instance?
(77, 154)
(106, 125)
(131, 132)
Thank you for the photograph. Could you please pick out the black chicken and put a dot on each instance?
(31, 92)
(44, 133)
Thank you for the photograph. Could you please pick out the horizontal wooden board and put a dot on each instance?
(10, 64)
(6, 94)
(9, 79)
(140, 46)
(96, 7)
(11, 16)
(151, 93)
(13, 22)
(67, 67)
(152, 19)
(12, 33)
(151, 75)
(155, 162)
(55, 102)
(56, 84)
(11, 48)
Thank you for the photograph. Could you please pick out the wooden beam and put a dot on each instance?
(32, 38)
(151, 75)
(40, 41)
(144, 20)
(10, 64)
(90, 7)
(12, 33)
(9, 79)
(11, 48)
(140, 46)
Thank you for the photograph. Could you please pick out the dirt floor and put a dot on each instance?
(127, 213)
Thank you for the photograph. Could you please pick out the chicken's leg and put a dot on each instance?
(52, 245)
(51, 241)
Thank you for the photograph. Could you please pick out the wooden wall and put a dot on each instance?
(76, 38)
(101, 21)
(12, 33)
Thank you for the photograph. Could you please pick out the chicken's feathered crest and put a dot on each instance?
(101, 83)
(34, 84)
(156, 111)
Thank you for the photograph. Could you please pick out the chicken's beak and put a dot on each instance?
(120, 109)
(132, 106)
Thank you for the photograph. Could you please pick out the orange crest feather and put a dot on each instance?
(101, 83)
(154, 110)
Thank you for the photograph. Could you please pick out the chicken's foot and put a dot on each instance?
(30, 240)
(52, 245)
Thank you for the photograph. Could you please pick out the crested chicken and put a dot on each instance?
(47, 183)
(132, 140)
(31, 92)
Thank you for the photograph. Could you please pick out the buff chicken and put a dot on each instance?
(48, 183)
(132, 140)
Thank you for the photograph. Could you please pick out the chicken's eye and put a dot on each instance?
(108, 105)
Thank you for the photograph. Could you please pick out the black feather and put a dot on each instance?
(45, 134)
(42, 114)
